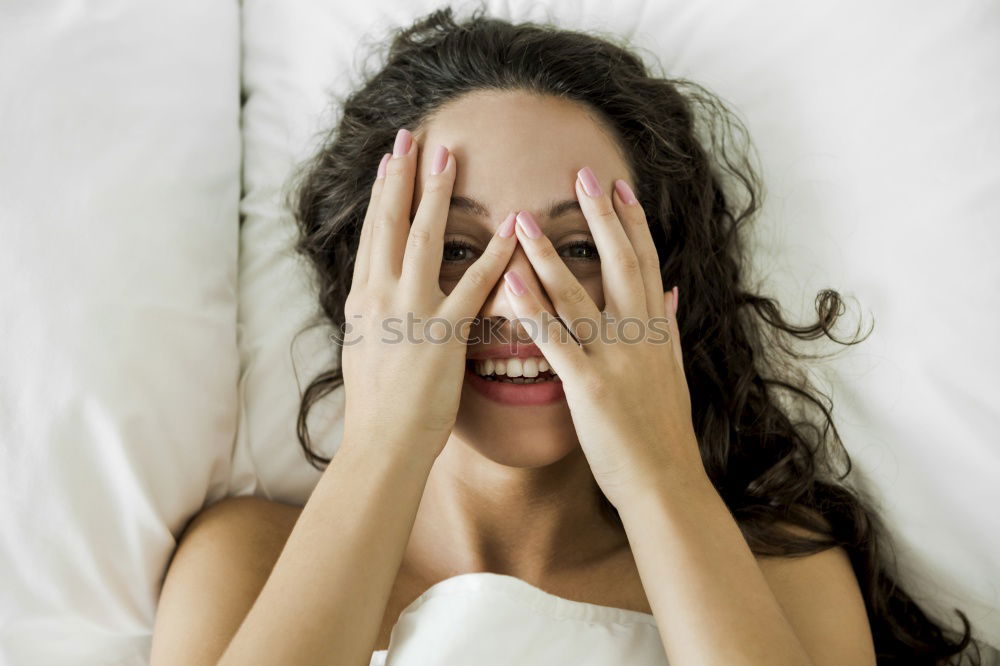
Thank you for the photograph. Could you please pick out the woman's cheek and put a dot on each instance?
(447, 283)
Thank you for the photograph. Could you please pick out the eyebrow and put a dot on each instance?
(477, 208)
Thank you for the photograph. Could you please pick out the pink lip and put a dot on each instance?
(513, 350)
(507, 393)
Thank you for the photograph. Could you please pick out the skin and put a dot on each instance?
(512, 491)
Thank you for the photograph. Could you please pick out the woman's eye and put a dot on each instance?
(581, 250)
(457, 251)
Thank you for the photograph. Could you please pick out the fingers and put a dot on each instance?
(392, 220)
(570, 299)
(362, 257)
(468, 296)
(624, 291)
(636, 226)
(563, 352)
(425, 245)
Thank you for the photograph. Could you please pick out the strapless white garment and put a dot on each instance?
(490, 619)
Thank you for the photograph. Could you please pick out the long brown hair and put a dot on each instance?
(767, 437)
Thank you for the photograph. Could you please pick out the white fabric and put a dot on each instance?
(119, 187)
(876, 127)
(491, 619)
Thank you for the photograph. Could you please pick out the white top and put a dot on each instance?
(491, 619)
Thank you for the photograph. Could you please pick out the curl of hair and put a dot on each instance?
(767, 436)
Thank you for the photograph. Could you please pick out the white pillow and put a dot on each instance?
(877, 129)
(119, 187)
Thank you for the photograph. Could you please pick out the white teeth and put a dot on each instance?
(515, 368)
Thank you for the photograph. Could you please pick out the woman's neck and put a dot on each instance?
(531, 523)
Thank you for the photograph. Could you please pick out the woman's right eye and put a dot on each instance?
(458, 252)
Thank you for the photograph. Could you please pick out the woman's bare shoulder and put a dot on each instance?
(244, 532)
(260, 507)
(223, 558)
(248, 516)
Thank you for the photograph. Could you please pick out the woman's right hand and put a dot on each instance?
(403, 390)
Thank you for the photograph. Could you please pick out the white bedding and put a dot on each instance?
(119, 187)
(492, 619)
(133, 390)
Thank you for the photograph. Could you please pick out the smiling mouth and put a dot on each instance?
(533, 370)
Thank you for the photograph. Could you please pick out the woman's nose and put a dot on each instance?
(497, 305)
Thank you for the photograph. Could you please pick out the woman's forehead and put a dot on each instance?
(515, 149)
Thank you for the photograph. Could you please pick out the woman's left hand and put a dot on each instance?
(629, 398)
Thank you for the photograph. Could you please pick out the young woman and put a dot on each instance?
(555, 371)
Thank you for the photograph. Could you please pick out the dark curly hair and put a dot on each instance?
(767, 437)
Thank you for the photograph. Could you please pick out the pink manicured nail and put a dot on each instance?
(625, 192)
(589, 180)
(677, 293)
(506, 228)
(528, 225)
(514, 283)
(402, 145)
(381, 166)
(440, 160)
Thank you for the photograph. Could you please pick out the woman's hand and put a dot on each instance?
(402, 382)
(628, 397)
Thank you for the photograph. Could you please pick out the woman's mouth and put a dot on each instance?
(514, 370)
(515, 381)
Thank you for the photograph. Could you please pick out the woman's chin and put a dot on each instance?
(537, 438)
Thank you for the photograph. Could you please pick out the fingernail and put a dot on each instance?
(514, 283)
(589, 180)
(528, 225)
(506, 229)
(440, 160)
(677, 293)
(625, 192)
(402, 145)
(381, 166)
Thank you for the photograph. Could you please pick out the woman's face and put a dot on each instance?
(517, 151)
